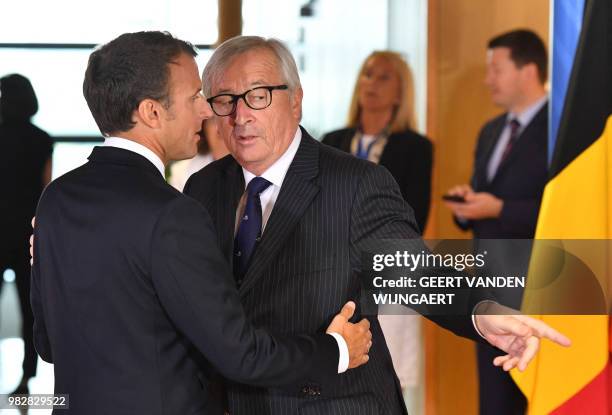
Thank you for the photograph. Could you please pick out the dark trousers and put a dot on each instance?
(498, 395)
(16, 257)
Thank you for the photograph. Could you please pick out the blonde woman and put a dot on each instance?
(381, 125)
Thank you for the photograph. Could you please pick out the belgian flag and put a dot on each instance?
(577, 204)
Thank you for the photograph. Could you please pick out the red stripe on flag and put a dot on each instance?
(596, 397)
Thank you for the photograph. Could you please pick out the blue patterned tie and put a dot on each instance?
(249, 231)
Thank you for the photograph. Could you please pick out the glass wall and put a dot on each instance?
(54, 55)
(74, 21)
(57, 77)
(331, 38)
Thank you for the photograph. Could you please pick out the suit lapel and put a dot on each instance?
(296, 194)
(230, 189)
(488, 151)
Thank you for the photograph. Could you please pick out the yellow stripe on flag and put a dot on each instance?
(576, 205)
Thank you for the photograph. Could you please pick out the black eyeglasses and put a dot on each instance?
(256, 98)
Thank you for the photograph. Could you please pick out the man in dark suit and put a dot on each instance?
(133, 300)
(314, 208)
(510, 172)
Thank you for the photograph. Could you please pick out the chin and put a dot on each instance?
(183, 157)
(247, 154)
(191, 153)
(246, 158)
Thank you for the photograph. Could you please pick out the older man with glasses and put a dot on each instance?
(293, 216)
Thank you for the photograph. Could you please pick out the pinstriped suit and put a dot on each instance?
(306, 267)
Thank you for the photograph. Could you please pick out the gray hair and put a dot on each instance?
(238, 45)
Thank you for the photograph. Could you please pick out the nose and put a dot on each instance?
(243, 114)
(205, 110)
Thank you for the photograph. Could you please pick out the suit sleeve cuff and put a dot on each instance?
(474, 313)
(343, 361)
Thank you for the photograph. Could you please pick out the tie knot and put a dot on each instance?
(514, 125)
(257, 185)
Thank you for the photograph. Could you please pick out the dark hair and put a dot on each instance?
(525, 47)
(127, 70)
(17, 98)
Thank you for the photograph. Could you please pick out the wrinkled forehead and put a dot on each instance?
(257, 67)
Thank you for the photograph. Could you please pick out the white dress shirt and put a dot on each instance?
(137, 148)
(524, 118)
(275, 174)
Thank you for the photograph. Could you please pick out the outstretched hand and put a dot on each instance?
(517, 335)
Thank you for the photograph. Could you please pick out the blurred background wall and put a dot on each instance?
(458, 105)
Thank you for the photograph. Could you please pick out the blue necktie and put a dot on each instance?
(249, 231)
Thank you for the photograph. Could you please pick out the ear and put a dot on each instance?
(530, 72)
(296, 102)
(149, 113)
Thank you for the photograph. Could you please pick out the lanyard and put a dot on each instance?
(364, 153)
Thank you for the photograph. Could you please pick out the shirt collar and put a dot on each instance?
(276, 173)
(137, 148)
(525, 117)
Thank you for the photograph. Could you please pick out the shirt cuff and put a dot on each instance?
(343, 361)
(476, 326)
(474, 316)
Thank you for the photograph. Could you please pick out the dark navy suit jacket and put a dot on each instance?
(519, 180)
(135, 304)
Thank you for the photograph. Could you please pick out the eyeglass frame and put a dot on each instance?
(235, 98)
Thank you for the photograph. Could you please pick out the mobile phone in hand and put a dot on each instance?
(453, 198)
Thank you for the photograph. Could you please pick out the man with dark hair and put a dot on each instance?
(525, 47)
(110, 87)
(132, 298)
(510, 171)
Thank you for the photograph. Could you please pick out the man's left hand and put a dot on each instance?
(517, 335)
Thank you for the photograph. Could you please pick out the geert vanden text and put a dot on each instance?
(450, 282)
